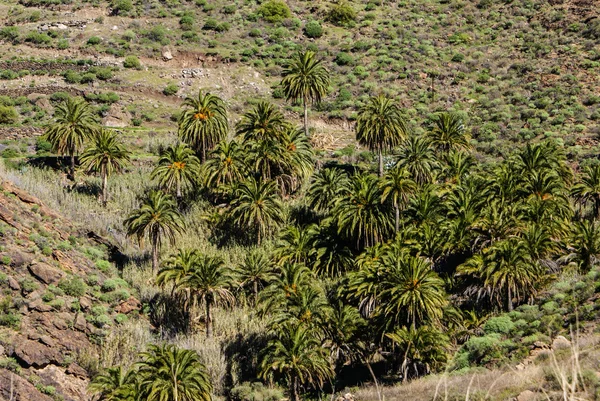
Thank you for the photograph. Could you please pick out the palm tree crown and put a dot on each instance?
(380, 126)
(156, 219)
(178, 167)
(203, 123)
(105, 155)
(74, 122)
(305, 79)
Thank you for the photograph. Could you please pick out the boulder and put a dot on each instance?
(128, 306)
(13, 284)
(15, 388)
(45, 273)
(116, 117)
(39, 306)
(71, 387)
(76, 370)
(167, 54)
(33, 353)
(560, 342)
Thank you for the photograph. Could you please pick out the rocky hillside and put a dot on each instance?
(57, 300)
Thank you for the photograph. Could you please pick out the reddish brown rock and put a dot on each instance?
(45, 273)
(76, 370)
(39, 306)
(128, 306)
(33, 353)
(71, 387)
(15, 388)
(13, 284)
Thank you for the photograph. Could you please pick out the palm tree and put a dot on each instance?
(417, 157)
(380, 126)
(422, 350)
(256, 270)
(257, 206)
(105, 155)
(448, 133)
(584, 245)
(294, 245)
(263, 122)
(361, 216)
(176, 269)
(458, 165)
(74, 122)
(298, 155)
(209, 282)
(328, 185)
(588, 189)
(170, 373)
(411, 290)
(156, 219)
(332, 256)
(114, 384)
(398, 186)
(296, 354)
(305, 79)
(509, 269)
(178, 167)
(203, 123)
(226, 165)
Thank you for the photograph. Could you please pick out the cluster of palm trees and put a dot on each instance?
(162, 373)
(360, 265)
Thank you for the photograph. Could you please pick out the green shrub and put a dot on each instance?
(343, 58)
(8, 115)
(132, 62)
(157, 34)
(28, 285)
(120, 7)
(121, 318)
(74, 287)
(274, 11)
(500, 324)
(171, 90)
(313, 29)
(94, 40)
(341, 14)
(102, 320)
(9, 34)
(5, 260)
(38, 38)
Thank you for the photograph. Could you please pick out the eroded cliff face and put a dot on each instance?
(57, 300)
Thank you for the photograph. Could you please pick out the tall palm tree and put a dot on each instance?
(588, 189)
(105, 155)
(332, 256)
(398, 186)
(203, 122)
(509, 269)
(157, 219)
(380, 126)
(74, 122)
(256, 270)
(257, 206)
(448, 133)
(305, 79)
(176, 268)
(178, 168)
(296, 354)
(170, 373)
(328, 185)
(226, 165)
(209, 282)
(458, 165)
(361, 216)
(298, 155)
(263, 122)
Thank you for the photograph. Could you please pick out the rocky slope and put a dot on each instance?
(57, 300)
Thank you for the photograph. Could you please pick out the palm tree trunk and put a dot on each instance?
(510, 303)
(397, 211)
(72, 168)
(305, 116)
(104, 185)
(209, 329)
(374, 379)
(380, 163)
(294, 396)
(154, 255)
(255, 293)
(175, 392)
(178, 190)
